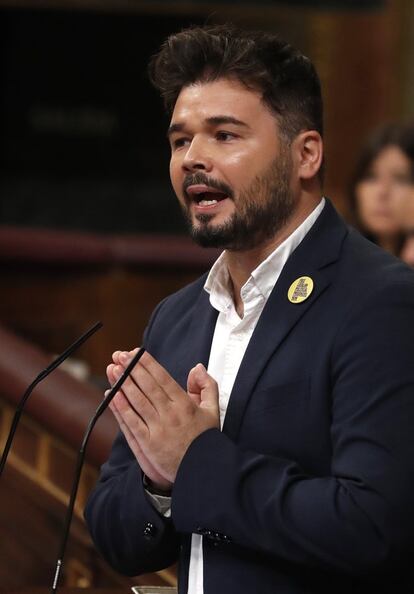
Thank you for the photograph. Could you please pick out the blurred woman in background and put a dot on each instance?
(382, 183)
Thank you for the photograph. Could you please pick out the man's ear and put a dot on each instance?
(308, 149)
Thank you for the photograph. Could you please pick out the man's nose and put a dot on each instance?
(197, 157)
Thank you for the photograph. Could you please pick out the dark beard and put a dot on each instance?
(253, 223)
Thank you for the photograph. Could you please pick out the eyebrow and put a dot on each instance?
(213, 121)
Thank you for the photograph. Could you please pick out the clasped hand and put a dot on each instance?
(158, 418)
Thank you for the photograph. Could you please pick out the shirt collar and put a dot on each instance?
(265, 276)
(218, 284)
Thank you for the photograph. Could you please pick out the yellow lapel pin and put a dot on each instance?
(300, 289)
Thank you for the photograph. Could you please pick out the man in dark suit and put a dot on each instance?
(267, 434)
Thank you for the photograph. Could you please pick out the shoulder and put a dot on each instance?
(183, 298)
(372, 299)
(176, 310)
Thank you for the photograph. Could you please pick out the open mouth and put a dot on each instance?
(209, 198)
(204, 196)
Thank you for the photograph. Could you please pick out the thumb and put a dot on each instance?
(200, 383)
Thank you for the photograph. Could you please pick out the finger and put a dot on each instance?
(161, 377)
(142, 459)
(150, 385)
(201, 382)
(110, 374)
(112, 377)
(193, 387)
(117, 354)
(128, 434)
(115, 357)
(129, 420)
(123, 426)
(137, 398)
(193, 380)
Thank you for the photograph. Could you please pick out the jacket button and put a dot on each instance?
(149, 531)
(203, 531)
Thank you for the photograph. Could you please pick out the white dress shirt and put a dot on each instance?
(232, 335)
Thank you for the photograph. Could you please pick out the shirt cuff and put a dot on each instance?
(162, 503)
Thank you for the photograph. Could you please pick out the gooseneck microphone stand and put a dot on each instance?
(42, 375)
(81, 455)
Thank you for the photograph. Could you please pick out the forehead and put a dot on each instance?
(228, 97)
(392, 157)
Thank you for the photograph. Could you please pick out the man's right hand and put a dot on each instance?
(156, 481)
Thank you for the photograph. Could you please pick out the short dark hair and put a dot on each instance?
(261, 61)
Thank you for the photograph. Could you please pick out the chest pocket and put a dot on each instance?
(275, 419)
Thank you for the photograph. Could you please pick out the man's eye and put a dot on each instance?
(179, 142)
(225, 136)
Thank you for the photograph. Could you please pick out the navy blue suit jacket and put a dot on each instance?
(310, 485)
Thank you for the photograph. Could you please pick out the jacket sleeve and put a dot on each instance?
(359, 518)
(125, 526)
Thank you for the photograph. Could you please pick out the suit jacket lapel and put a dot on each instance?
(199, 337)
(312, 258)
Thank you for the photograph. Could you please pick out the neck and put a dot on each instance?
(241, 263)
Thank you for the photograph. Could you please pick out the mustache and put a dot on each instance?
(203, 179)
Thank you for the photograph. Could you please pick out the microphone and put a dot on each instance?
(42, 375)
(79, 464)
